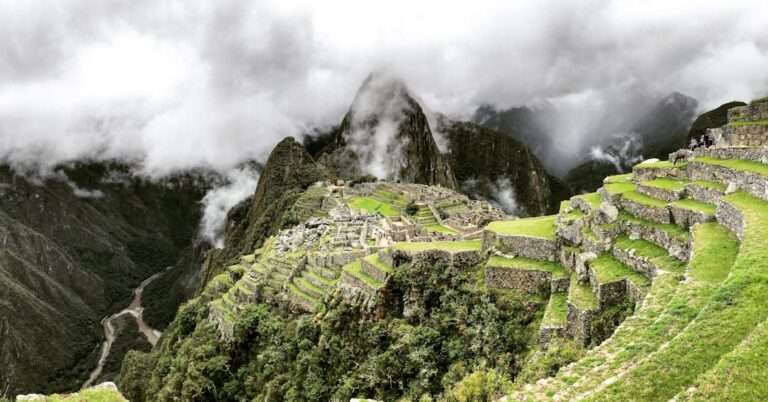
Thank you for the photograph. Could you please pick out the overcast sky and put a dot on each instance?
(176, 84)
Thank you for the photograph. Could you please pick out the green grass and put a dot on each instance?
(609, 269)
(645, 200)
(373, 206)
(749, 123)
(666, 184)
(656, 254)
(619, 178)
(88, 395)
(712, 185)
(541, 227)
(374, 260)
(698, 206)
(619, 188)
(736, 164)
(671, 229)
(523, 263)
(451, 246)
(734, 311)
(581, 296)
(593, 199)
(438, 228)
(355, 269)
(556, 313)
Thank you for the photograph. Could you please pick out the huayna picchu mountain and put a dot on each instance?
(652, 288)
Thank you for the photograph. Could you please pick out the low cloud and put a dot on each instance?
(240, 184)
(179, 84)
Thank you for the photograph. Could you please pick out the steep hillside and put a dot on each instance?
(73, 246)
(390, 290)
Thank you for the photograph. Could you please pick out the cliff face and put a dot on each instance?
(71, 249)
(493, 166)
(386, 134)
(288, 172)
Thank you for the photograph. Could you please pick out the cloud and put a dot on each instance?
(177, 84)
(240, 184)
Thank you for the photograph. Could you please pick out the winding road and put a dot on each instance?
(136, 310)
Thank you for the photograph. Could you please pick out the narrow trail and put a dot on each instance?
(135, 310)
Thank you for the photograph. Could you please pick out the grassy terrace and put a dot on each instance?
(523, 263)
(619, 178)
(301, 293)
(356, 270)
(592, 199)
(619, 188)
(669, 306)
(451, 246)
(658, 255)
(438, 228)
(666, 184)
(374, 260)
(694, 205)
(556, 313)
(645, 200)
(734, 310)
(541, 227)
(373, 206)
(609, 269)
(90, 395)
(660, 165)
(749, 123)
(673, 230)
(736, 164)
(581, 296)
(712, 185)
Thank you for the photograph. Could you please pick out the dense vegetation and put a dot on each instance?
(450, 329)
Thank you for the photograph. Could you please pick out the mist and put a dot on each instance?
(172, 85)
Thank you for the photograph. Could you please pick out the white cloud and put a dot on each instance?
(176, 84)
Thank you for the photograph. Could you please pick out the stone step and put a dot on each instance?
(375, 267)
(302, 299)
(555, 321)
(653, 170)
(582, 308)
(587, 203)
(645, 207)
(319, 281)
(686, 213)
(749, 176)
(327, 273)
(526, 275)
(645, 257)
(663, 189)
(614, 282)
(705, 191)
(308, 288)
(670, 237)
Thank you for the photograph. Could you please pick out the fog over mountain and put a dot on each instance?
(177, 84)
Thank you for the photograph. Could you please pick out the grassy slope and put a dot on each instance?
(374, 206)
(734, 310)
(542, 227)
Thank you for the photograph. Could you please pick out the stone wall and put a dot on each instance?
(750, 154)
(752, 135)
(661, 193)
(649, 173)
(580, 324)
(676, 247)
(686, 218)
(560, 285)
(609, 293)
(570, 231)
(654, 214)
(752, 183)
(548, 333)
(530, 247)
(524, 280)
(356, 291)
(751, 112)
(637, 263)
(701, 193)
(730, 217)
(373, 271)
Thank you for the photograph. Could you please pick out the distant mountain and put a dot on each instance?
(72, 247)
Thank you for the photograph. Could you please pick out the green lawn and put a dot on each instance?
(619, 188)
(719, 330)
(666, 184)
(644, 199)
(608, 269)
(355, 269)
(439, 228)
(523, 263)
(581, 296)
(694, 205)
(619, 178)
(374, 206)
(593, 199)
(736, 164)
(451, 246)
(542, 227)
(88, 395)
(712, 185)
(556, 313)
